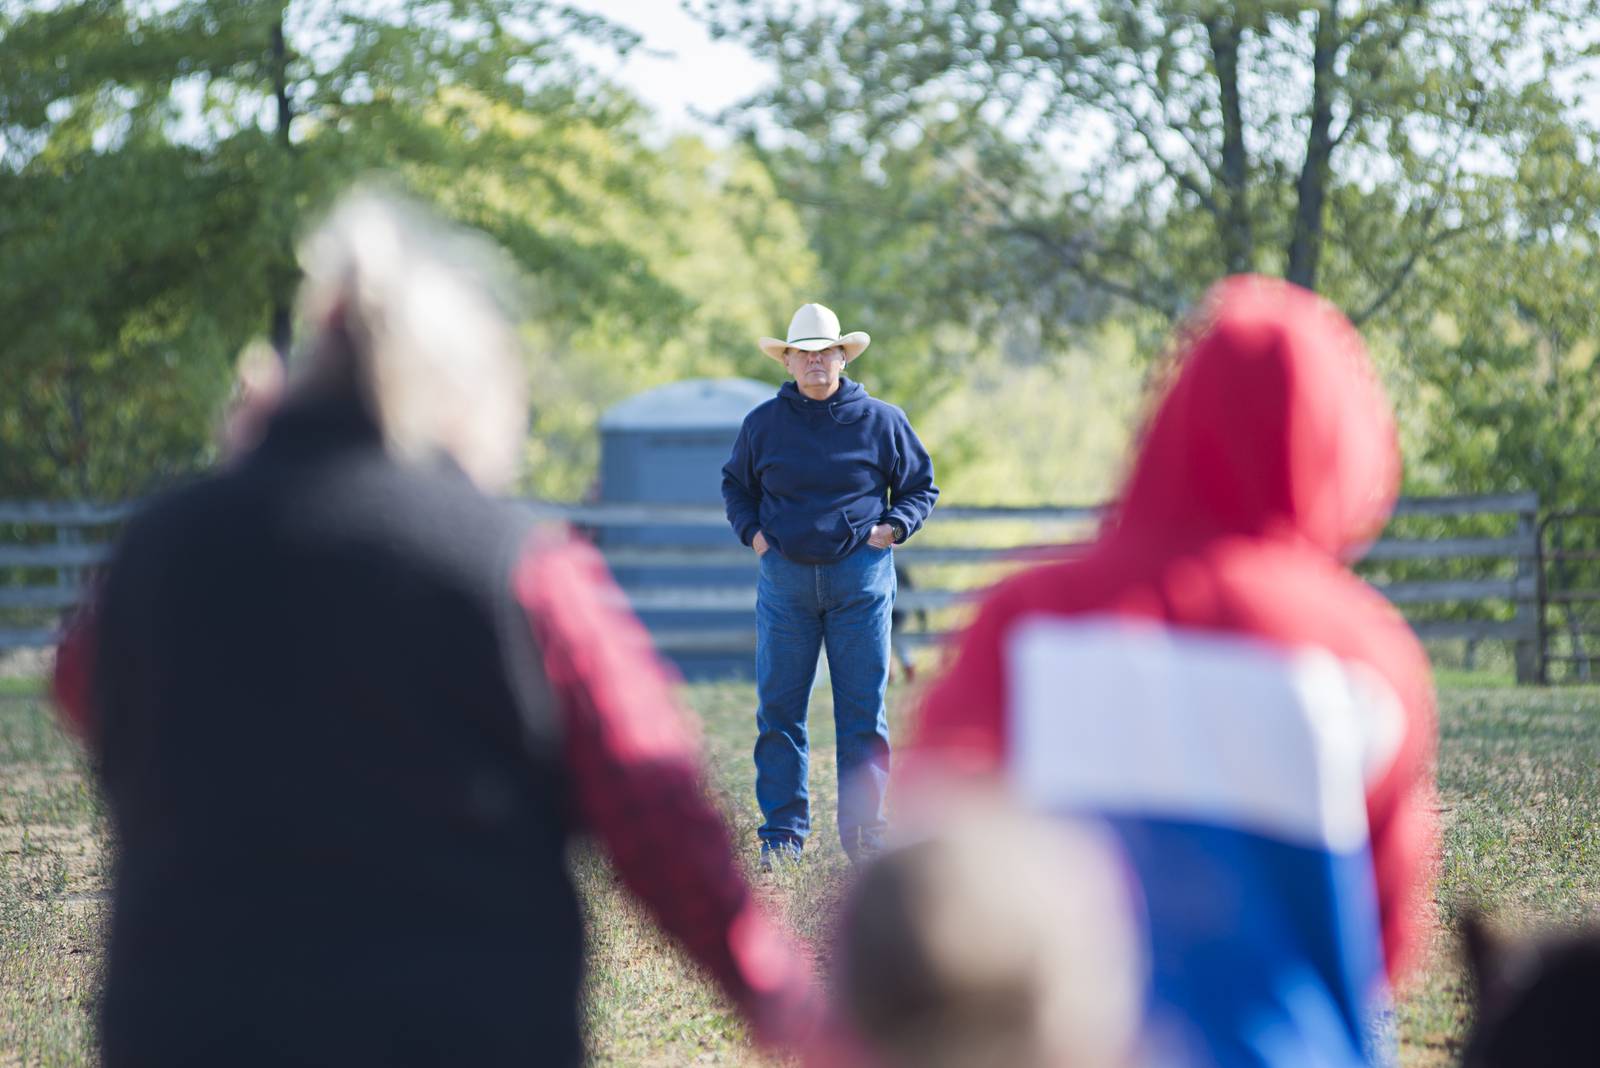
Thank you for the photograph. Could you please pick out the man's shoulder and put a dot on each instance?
(177, 507)
(886, 411)
(169, 528)
(762, 413)
(433, 512)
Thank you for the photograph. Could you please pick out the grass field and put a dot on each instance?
(1519, 775)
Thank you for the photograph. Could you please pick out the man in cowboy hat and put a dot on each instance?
(822, 481)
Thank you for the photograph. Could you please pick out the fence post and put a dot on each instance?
(1529, 614)
(68, 577)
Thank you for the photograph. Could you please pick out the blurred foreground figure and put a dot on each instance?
(258, 382)
(1535, 999)
(1003, 941)
(348, 711)
(1253, 721)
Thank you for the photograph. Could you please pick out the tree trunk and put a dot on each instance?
(282, 317)
(1238, 240)
(282, 325)
(80, 446)
(1305, 248)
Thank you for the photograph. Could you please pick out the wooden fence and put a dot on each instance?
(1488, 588)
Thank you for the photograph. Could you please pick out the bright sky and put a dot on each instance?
(678, 69)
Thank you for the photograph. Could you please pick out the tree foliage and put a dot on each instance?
(735, 258)
(1271, 133)
(158, 161)
(985, 185)
(1045, 165)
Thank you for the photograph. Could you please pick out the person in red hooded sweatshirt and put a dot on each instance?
(1253, 723)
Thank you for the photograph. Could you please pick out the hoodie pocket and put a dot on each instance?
(814, 537)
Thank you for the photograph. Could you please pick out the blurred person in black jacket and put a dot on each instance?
(348, 709)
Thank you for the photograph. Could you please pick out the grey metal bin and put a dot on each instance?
(667, 446)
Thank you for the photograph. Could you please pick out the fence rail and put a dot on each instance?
(76, 556)
(691, 576)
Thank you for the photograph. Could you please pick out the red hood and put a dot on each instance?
(1276, 426)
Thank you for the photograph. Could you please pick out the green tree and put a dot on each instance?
(160, 159)
(1018, 172)
(1145, 147)
(710, 226)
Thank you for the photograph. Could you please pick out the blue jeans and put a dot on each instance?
(800, 609)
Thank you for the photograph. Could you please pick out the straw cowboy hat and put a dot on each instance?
(816, 327)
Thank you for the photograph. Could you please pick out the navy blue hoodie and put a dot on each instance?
(816, 476)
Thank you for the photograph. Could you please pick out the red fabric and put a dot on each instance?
(838, 1046)
(74, 670)
(1271, 457)
(637, 783)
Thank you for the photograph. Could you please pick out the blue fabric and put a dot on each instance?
(801, 609)
(1263, 954)
(816, 476)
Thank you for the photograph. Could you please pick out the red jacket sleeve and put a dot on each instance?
(1402, 813)
(960, 724)
(70, 684)
(637, 784)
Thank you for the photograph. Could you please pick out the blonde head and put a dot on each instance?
(1003, 940)
(433, 347)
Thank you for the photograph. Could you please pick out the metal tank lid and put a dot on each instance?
(692, 404)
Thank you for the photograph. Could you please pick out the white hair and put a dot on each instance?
(433, 346)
